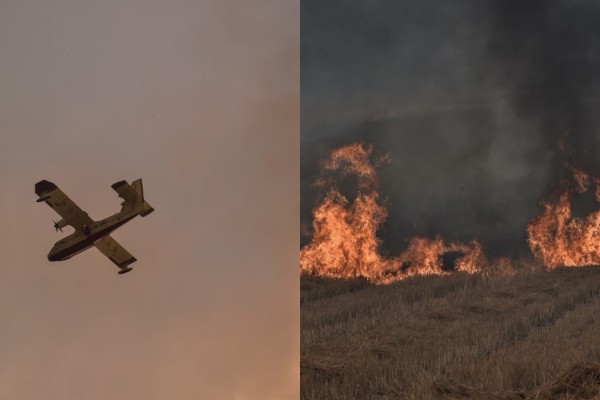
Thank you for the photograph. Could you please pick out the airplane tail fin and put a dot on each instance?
(139, 191)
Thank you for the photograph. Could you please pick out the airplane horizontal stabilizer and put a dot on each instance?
(125, 192)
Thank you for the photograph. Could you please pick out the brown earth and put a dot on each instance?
(533, 335)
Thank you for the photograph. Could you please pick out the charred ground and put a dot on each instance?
(530, 335)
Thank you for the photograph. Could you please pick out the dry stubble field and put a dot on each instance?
(533, 335)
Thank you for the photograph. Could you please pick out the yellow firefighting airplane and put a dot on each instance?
(88, 232)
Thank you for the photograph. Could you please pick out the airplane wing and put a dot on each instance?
(117, 253)
(62, 204)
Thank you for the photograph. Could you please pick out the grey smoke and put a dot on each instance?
(469, 98)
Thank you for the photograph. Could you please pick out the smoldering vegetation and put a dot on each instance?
(532, 335)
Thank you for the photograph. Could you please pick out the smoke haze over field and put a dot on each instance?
(469, 98)
(200, 99)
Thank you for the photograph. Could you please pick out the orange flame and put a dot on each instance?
(345, 244)
(556, 238)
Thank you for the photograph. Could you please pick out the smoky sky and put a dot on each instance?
(469, 99)
(200, 99)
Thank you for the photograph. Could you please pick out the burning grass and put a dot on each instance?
(556, 237)
(345, 242)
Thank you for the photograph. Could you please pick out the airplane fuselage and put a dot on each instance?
(81, 240)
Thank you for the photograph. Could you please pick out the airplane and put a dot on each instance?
(88, 232)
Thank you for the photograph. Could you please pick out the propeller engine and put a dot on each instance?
(59, 225)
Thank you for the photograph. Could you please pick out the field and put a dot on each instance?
(532, 335)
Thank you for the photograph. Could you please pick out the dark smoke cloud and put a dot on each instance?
(469, 98)
(550, 56)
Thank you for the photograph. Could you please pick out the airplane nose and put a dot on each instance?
(51, 256)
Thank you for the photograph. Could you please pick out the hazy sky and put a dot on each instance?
(200, 99)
